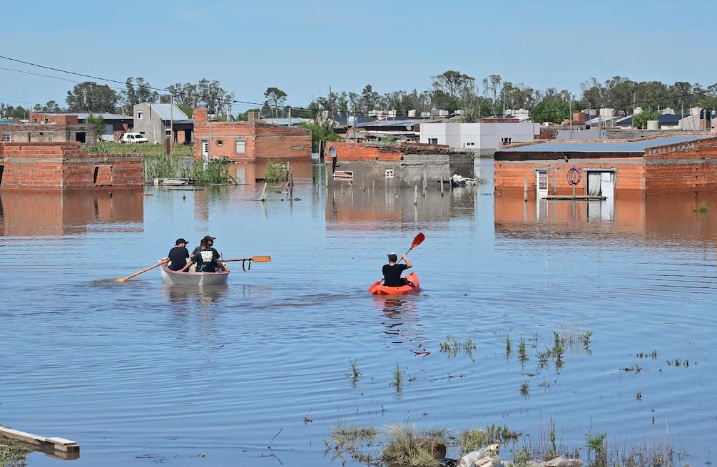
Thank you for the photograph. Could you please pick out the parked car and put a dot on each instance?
(133, 138)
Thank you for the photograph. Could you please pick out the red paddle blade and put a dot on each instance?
(418, 240)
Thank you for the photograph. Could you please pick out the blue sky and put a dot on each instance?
(307, 47)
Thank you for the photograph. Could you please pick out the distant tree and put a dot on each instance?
(369, 99)
(449, 88)
(137, 91)
(320, 132)
(551, 110)
(492, 88)
(274, 98)
(51, 106)
(92, 97)
(218, 100)
(18, 112)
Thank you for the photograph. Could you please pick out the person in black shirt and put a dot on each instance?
(206, 258)
(392, 271)
(178, 255)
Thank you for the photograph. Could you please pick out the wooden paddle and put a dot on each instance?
(256, 259)
(124, 279)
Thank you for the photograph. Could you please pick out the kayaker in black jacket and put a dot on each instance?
(392, 271)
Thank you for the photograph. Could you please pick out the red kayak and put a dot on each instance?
(411, 286)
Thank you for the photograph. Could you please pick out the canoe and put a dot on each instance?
(170, 277)
(413, 286)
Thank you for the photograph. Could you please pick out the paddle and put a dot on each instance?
(256, 259)
(416, 241)
(123, 279)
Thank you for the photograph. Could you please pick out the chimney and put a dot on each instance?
(200, 115)
(253, 116)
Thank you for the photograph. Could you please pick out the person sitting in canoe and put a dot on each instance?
(206, 258)
(392, 271)
(178, 255)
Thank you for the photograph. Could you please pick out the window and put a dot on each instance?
(542, 180)
(470, 144)
(389, 173)
(506, 141)
(240, 147)
(432, 140)
(6, 138)
(220, 142)
(140, 115)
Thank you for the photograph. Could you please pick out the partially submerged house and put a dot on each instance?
(393, 165)
(65, 166)
(248, 146)
(682, 163)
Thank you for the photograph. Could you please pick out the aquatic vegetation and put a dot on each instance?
(397, 378)
(407, 447)
(703, 208)
(354, 372)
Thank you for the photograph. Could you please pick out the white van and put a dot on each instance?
(133, 138)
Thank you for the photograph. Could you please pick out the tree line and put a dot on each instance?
(452, 91)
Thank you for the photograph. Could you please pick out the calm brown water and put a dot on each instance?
(258, 372)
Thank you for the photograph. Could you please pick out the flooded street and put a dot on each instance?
(259, 372)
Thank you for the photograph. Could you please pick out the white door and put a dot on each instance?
(541, 183)
(607, 184)
(205, 150)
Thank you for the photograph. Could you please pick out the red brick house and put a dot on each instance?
(65, 166)
(249, 145)
(680, 163)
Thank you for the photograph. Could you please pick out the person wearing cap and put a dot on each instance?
(392, 271)
(178, 255)
(206, 257)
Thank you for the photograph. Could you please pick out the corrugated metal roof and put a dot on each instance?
(606, 146)
(105, 116)
(391, 123)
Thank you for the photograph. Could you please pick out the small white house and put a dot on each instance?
(483, 138)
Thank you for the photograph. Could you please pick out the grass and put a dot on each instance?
(398, 378)
(703, 208)
(12, 453)
(355, 373)
(107, 147)
(406, 447)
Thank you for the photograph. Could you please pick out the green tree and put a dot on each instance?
(275, 98)
(92, 97)
(137, 91)
(640, 120)
(98, 122)
(320, 132)
(551, 110)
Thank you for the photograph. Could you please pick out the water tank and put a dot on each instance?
(653, 125)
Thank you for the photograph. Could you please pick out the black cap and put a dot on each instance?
(209, 238)
(392, 257)
(180, 240)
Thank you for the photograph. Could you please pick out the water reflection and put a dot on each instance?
(58, 213)
(200, 297)
(660, 216)
(401, 321)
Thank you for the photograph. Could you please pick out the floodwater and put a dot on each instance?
(259, 372)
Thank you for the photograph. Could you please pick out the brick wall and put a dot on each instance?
(41, 117)
(49, 132)
(361, 152)
(49, 166)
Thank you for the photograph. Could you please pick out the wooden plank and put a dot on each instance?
(57, 444)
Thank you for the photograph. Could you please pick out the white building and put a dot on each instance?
(482, 138)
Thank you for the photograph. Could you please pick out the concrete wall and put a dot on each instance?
(482, 138)
(150, 125)
(47, 132)
(60, 166)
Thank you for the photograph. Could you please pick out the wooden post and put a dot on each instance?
(415, 195)
(441, 184)
(263, 193)
(525, 189)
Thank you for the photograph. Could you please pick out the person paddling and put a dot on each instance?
(206, 258)
(392, 271)
(178, 255)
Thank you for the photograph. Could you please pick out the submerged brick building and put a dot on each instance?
(681, 163)
(65, 166)
(249, 145)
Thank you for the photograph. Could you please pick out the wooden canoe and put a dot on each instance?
(170, 277)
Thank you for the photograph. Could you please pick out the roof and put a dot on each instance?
(637, 146)
(286, 121)
(392, 123)
(169, 111)
(86, 115)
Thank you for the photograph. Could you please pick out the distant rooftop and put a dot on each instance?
(637, 146)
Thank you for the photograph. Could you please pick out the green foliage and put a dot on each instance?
(406, 447)
(215, 172)
(551, 110)
(92, 97)
(98, 122)
(703, 208)
(640, 120)
(320, 133)
(275, 171)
